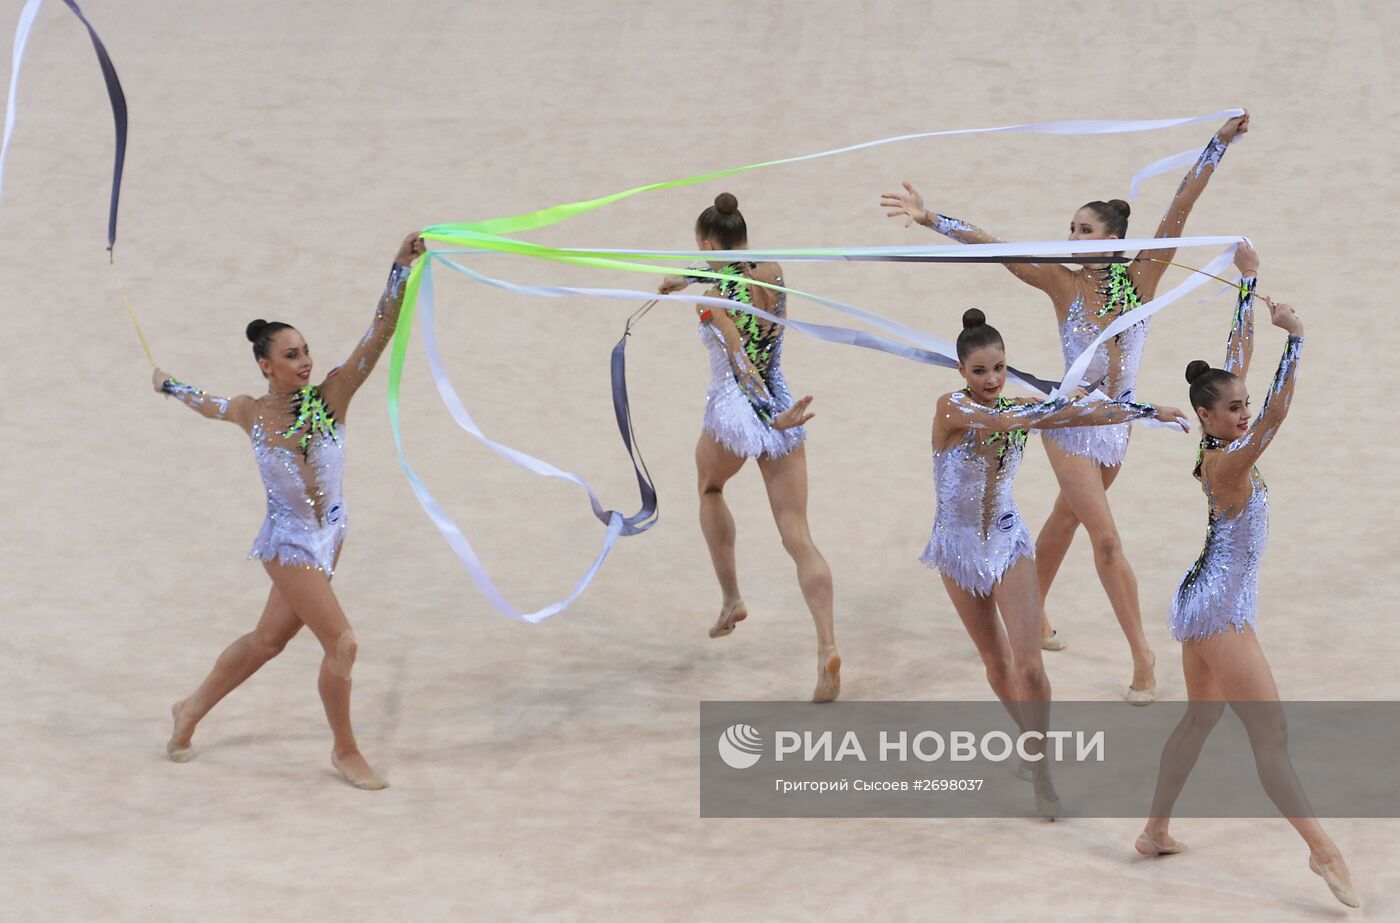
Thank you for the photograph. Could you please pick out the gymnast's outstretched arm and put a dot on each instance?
(1146, 274)
(1242, 454)
(235, 410)
(345, 379)
(1239, 348)
(1047, 277)
(957, 411)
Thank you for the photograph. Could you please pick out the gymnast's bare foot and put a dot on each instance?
(828, 674)
(178, 748)
(355, 769)
(1047, 802)
(732, 614)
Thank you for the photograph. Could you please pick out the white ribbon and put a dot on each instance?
(26, 22)
(455, 539)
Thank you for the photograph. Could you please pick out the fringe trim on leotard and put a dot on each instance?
(1203, 614)
(975, 566)
(1103, 444)
(757, 440)
(290, 556)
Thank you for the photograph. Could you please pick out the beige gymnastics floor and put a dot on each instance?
(278, 153)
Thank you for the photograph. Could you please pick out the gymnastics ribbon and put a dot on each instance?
(547, 216)
(1165, 165)
(929, 350)
(114, 93)
(489, 235)
(26, 22)
(1049, 251)
(934, 351)
(420, 290)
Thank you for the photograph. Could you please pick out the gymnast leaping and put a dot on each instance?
(1213, 612)
(1086, 461)
(979, 543)
(749, 413)
(298, 435)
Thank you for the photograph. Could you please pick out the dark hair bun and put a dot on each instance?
(255, 330)
(973, 317)
(726, 204)
(1120, 205)
(1195, 369)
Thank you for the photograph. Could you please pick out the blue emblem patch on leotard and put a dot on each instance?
(1006, 522)
(333, 514)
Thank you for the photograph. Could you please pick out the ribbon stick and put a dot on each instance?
(131, 312)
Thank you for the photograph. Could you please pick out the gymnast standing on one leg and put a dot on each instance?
(1086, 461)
(1213, 613)
(749, 413)
(298, 435)
(979, 543)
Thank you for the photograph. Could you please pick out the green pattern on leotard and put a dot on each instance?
(311, 415)
(1119, 293)
(758, 343)
(1015, 438)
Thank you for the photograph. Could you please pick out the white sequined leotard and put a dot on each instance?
(306, 516)
(1115, 363)
(977, 532)
(1219, 591)
(731, 418)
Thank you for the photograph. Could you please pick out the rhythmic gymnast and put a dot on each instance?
(298, 435)
(1213, 612)
(749, 413)
(1087, 461)
(979, 543)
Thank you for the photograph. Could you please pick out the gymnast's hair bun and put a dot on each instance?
(726, 204)
(1120, 206)
(973, 317)
(1195, 369)
(255, 330)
